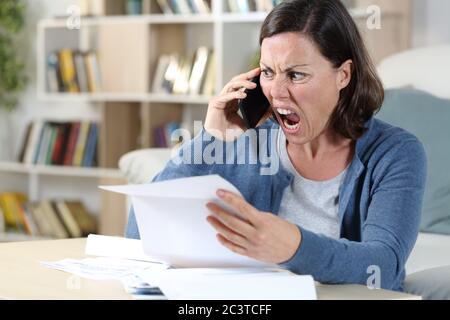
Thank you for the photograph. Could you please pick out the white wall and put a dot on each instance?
(431, 23)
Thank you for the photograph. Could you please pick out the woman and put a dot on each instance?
(345, 204)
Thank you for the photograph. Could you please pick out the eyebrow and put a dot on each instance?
(289, 68)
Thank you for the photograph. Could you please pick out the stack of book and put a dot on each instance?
(61, 143)
(243, 6)
(52, 219)
(183, 75)
(184, 6)
(73, 71)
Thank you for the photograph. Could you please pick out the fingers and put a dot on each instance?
(249, 75)
(240, 205)
(231, 246)
(239, 85)
(231, 221)
(234, 89)
(227, 233)
(222, 100)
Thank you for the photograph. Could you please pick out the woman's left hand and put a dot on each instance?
(258, 235)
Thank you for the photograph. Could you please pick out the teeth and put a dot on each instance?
(291, 127)
(284, 112)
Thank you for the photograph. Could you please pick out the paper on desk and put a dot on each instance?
(171, 217)
(116, 247)
(231, 284)
(103, 268)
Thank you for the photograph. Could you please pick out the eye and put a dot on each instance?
(267, 73)
(297, 76)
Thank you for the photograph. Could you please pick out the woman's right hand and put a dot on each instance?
(222, 118)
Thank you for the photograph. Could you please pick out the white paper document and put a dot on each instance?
(116, 247)
(231, 284)
(152, 280)
(171, 217)
(103, 268)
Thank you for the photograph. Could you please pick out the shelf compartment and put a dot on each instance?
(14, 167)
(125, 97)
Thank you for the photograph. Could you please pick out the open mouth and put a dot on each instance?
(289, 119)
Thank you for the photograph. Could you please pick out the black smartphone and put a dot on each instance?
(255, 106)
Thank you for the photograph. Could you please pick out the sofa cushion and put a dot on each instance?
(141, 166)
(431, 284)
(424, 69)
(427, 117)
(430, 251)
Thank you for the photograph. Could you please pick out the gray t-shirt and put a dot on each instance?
(312, 205)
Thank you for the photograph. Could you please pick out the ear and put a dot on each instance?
(344, 75)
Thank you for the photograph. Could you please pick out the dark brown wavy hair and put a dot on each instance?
(329, 25)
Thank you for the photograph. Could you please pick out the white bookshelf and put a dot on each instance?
(47, 170)
(124, 97)
(208, 29)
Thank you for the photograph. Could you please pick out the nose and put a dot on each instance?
(279, 88)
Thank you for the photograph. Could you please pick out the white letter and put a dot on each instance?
(374, 280)
(374, 20)
(74, 20)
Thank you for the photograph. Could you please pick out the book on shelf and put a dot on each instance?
(61, 143)
(159, 74)
(44, 228)
(181, 83)
(171, 73)
(54, 79)
(93, 72)
(175, 74)
(163, 135)
(184, 6)
(198, 70)
(92, 7)
(165, 6)
(133, 7)
(57, 226)
(90, 158)
(209, 84)
(53, 219)
(74, 230)
(71, 143)
(244, 6)
(80, 69)
(26, 138)
(31, 142)
(68, 72)
(44, 145)
(81, 144)
(11, 206)
(86, 221)
(2, 220)
(201, 6)
(73, 71)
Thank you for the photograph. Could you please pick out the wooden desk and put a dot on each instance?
(23, 277)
